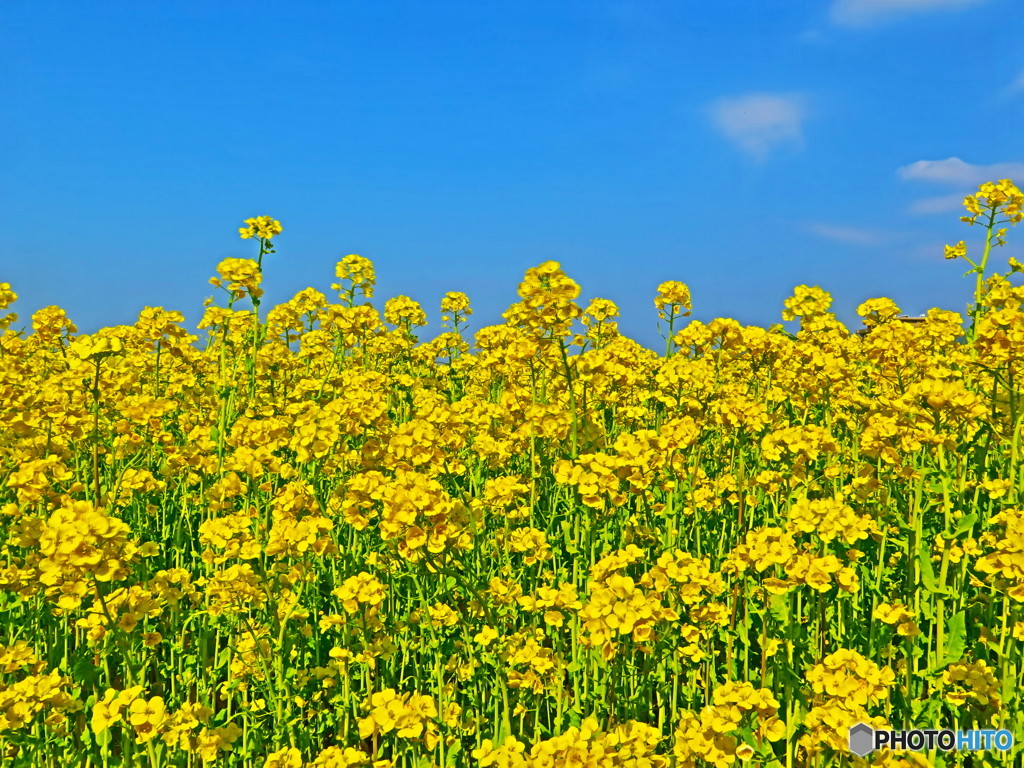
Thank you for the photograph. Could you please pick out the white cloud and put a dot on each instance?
(1017, 86)
(932, 252)
(939, 204)
(866, 13)
(955, 172)
(812, 37)
(760, 123)
(852, 235)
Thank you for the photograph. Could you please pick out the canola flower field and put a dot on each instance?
(305, 539)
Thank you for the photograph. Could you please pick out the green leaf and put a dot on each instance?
(915, 709)
(9, 600)
(87, 673)
(747, 735)
(1009, 692)
(86, 737)
(965, 524)
(924, 559)
(925, 713)
(779, 607)
(567, 537)
(956, 637)
(223, 657)
(955, 642)
(927, 610)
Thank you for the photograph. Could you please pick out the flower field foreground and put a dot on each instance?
(307, 539)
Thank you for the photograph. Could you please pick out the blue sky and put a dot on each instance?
(456, 144)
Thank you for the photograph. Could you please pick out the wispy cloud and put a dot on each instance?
(1016, 87)
(812, 37)
(954, 171)
(761, 123)
(868, 13)
(938, 204)
(843, 234)
(932, 251)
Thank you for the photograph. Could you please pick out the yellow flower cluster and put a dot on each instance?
(331, 757)
(762, 549)
(847, 676)
(79, 546)
(51, 326)
(7, 297)
(828, 728)
(298, 527)
(124, 607)
(673, 300)
(829, 519)
(846, 684)
(804, 443)
(263, 227)
(714, 735)
(630, 745)
(1006, 561)
(555, 602)
(95, 347)
(232, 534)
(617, 606)
(234, 589)
(414, 509)
(24, 696)
(249, 661)
(401, 310)
(359, 273)
(690, 579)
(596, 478)
(877, 311)
(548, 307)
(531, 542)
(187, 729)
(897, 615)
(821, 573)
(957, 251)
(408, 715)
(951, 398)
(455, 308)
(33, 480)
(806, 302)
(243, 277)
(531, 665)
(1003, 195)
(361, 589)
(971, 682)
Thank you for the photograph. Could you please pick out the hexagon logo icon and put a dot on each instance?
(862, 739)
